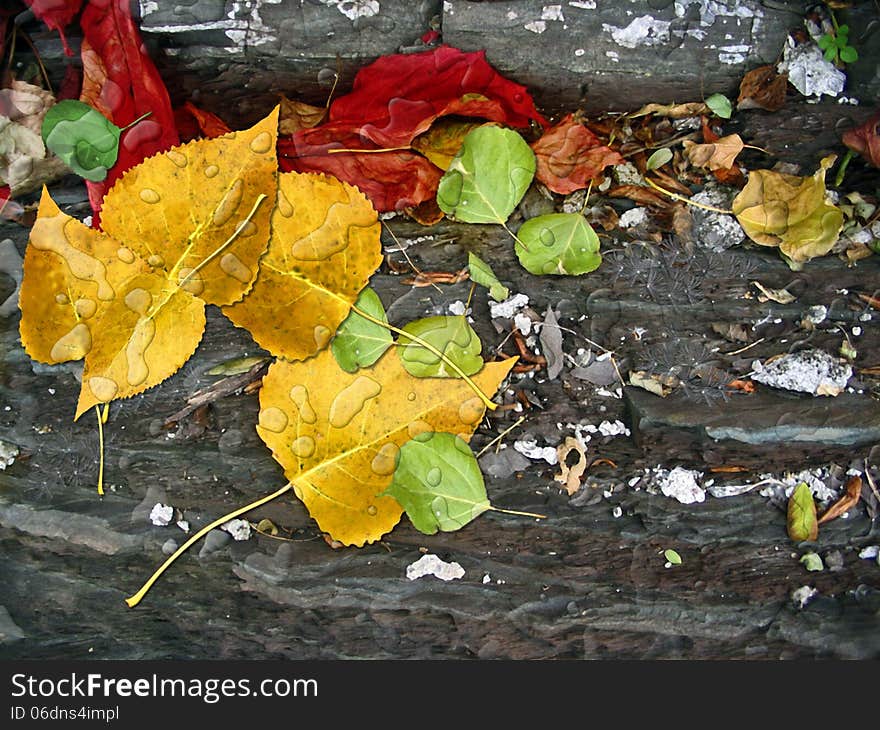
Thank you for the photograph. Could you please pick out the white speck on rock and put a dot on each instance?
(354, 9)
(487, 579)
(633, 217)
(615, 428)
(715, 231)
(613, 55)
(161, 514)
(806, 371)
(529, 447)
(509, 307)
(457, 308)
(432, 565)
(617, 512)
(511, 15)
(809, 72)
(583, 4)
(627, 174)
(643, 31)
(579, 52)
(8, 452)
(536, 26)
(239, 529)
(148, 7)
(870, 552)
(183, 525)
(803, 595)
(523, 323)
(681, 484)
(552, 12)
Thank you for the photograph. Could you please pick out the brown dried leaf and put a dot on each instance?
(718, 155)
(571, 476)
(297, 115)
(849, 500)
(674, 111)
(762, 88)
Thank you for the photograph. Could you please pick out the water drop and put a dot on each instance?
(138, 300)
(233, 266)
(261, 143)
(140, 134)
(82, 265)
(547, 237)
(191, 283)
(103, 388)
(140, 339)
(229, 204)
(125, 255)
(178, 158)
(550, 267)
(371, 510)
(75, 345)
(211, 171)
(471, 411)
(517, 97)
(351, 400)
(451, 189)
(85, 308)
(300, 396)
(322, 336)
(420, 431)
(434, 476)
(149, 196)
(410, 396)
(385, 461)
(61, 298)
(155, 260)
(246, 229)
(273, 419)
(283, 204)
(462, 445)
(303, 447)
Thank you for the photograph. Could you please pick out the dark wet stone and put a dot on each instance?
(9, 630)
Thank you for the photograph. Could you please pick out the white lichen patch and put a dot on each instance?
(239, 529)
(8, 452)
(430, 564)
(712, 230)
(552, 12)
(643, 31)
(161, 514)
(633, 217)
(809, 72)
(816, 479)
(354, 9)
(536, 26)
(803, 595)
(627, 174)
(806, 371)
(869, 553)
(528, 447)
(681, 484)
(583, 4)
(509, 307)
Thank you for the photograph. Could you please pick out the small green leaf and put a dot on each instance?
(848, 54)
(84, 139)
(802, 522)
(482, 274)
(659, 158)
(831, 54)
(720, 105)
(488, 177)
(812, 562)
(438, 483)
(558, 243)
(236, 365)
(826, 41)
(452, 336)
(672, 557)
(842, 30)
(359, 342)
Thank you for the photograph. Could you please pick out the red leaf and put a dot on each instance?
(569, 155)
(123, 83)
(866, 140)
(193, 122)
(56, 14)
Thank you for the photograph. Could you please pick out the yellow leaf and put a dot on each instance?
(186, 210)
(717, 155)
(789, 212)
(337, 434)
(324, 247)
(297, 115)
(443, 140)
(85, 295)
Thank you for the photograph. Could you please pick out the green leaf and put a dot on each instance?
(236, 365)
(842, 31)
(826, 41)
(359, 342)
(558, 243)
(812, 562)
(672, 557)
(84, 139)
(802, 523)
(720, 105)
(451, 335)
(831, 54)
(659, 158)
(482, 274)
(488, 177)
(438, 483)
(848, 54)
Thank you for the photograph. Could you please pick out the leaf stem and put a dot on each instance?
(516, 512)
(134, 600)
(101, 421)
(428, 346)
(841, 171)
(131, 124)
(500, 436)
(340, 150)
(676, 196)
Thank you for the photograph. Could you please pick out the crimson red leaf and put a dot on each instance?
(193, 123)
(56, 14)
(866, 140)
(127, 85)
(569, 155)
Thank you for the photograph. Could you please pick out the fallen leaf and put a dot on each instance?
(780, 296)
(846, 502)
(558, 243)
(718, 155)
(358, 342)
(865, 139)
(56, 14)
(674, 111)
(441, 143)
(802, 524)
(427, 212)
(25, 104)
(719, 105)
(83, 138)
(571, 476)
(481, 273)
(338, 435)
(236, 365)
(488, 177)
(438, 483)
(569, 156)
(812, 562)
(658, 158)
(672, 557)
(656, 384)
(762, 88)
(744, 386)
(203, 123)
(790, 212)
(451, 335)
(640, 194)
(297, 115)
(551, 344)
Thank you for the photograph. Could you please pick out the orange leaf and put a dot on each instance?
(849, 500)
(718, 155)
(324, 247)
(337, 434)
(762, 88)
(443, 140)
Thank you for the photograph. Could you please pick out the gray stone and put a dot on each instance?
(503, 464)
(155, 495)
(600, 373)
(806, 371)
(9, 630)
(215, 540)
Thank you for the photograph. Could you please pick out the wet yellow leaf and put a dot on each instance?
(85, 295)
(297, 115)
(324, 247)
(717, 155)
(443, 140)
(337, 434)
(188, 209)
(790, 212)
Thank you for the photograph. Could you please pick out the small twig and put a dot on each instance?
(402, 250)
(871, 483)
(500, 436)
(220, 389)
(747, 347)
